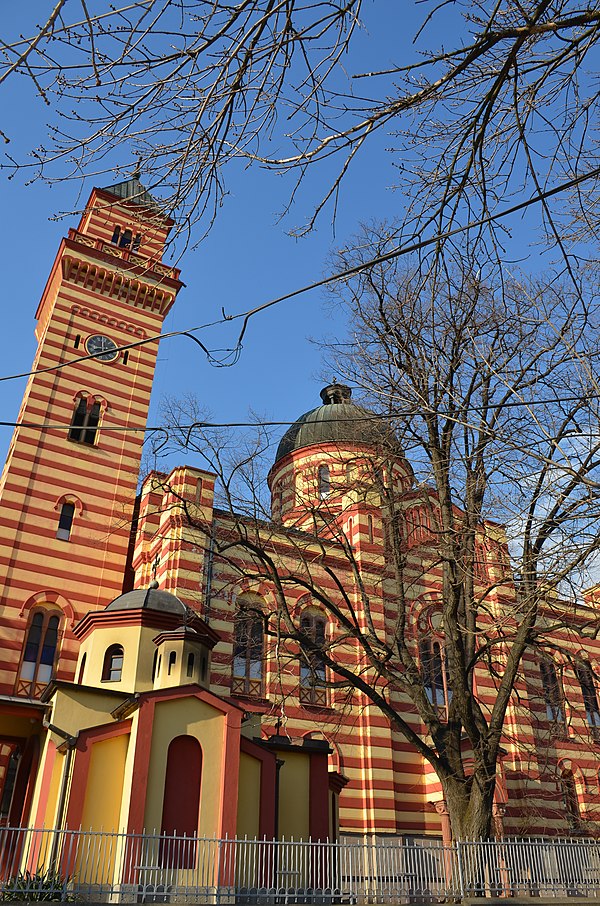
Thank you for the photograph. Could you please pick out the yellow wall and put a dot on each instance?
(102, 806)
(248, 811)
(78, 709)
(47, 819)
(138, 654)
(128, 771)
(192, 717)
(294, 787)
(55, 783)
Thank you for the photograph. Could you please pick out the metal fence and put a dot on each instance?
(152, 868)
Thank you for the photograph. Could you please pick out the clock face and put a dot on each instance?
(102, 348)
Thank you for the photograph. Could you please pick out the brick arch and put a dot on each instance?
(586, 657)
(45, 597)
(70, 498)
(336, 758)
(258, 589)
(568, 770)
(91, 398)
(420, 610)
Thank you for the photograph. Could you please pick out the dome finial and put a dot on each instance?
(336, 393)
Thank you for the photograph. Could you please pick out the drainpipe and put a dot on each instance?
(208, 574)
(69, 743)
(279, 763)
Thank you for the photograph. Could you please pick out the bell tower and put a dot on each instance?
(69, 484)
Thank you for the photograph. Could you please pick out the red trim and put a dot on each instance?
(268, 773)
(318, 803)
(230, 773)
(141, 765)
(20, 709)
(139, 617)
(193, 691)
(81, 768)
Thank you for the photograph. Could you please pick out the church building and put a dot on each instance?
(133, 621)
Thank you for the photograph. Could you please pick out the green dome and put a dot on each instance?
(337, 421)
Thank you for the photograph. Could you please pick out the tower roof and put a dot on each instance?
(132, 190)
(338, 421)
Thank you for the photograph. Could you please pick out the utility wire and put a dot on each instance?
(235, 351)
(414, 411)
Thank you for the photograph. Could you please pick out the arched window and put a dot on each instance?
(85, 421)
(297, 489)
(312, 669)
(39, 653)
(570, 799)
(418, 527)
(585, 676)
(481, 569)
(112, 667)
(247, 654)
(370, 529)
(434, 671)
(553, 693)
(324, 482)
(351, 473)
(155, 665)
(81, 668)
(125, 239)
(172, 662)
(190, 665)
(65, 521)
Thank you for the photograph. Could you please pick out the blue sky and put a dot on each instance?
(247, 259)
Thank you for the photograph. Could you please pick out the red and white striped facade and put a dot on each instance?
(392, 790)
(99, 287)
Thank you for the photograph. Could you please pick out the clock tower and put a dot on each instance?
(69, 484)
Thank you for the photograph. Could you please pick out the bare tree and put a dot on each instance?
(504, 110)
(493, 397)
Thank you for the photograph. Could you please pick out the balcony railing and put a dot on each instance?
(125, 254)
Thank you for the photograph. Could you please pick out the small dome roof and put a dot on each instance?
(151, 598)
(338, 421)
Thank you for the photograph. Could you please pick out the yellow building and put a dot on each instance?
(138, 740)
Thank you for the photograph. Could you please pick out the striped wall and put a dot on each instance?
(94, 288)
(391, 789)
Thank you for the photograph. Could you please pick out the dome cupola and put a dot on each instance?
(337, 421)
(328, 459)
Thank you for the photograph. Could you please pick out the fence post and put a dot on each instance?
(461, 876)
(218, 878)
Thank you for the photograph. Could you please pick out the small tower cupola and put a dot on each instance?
(144, 639)
(182, 657)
